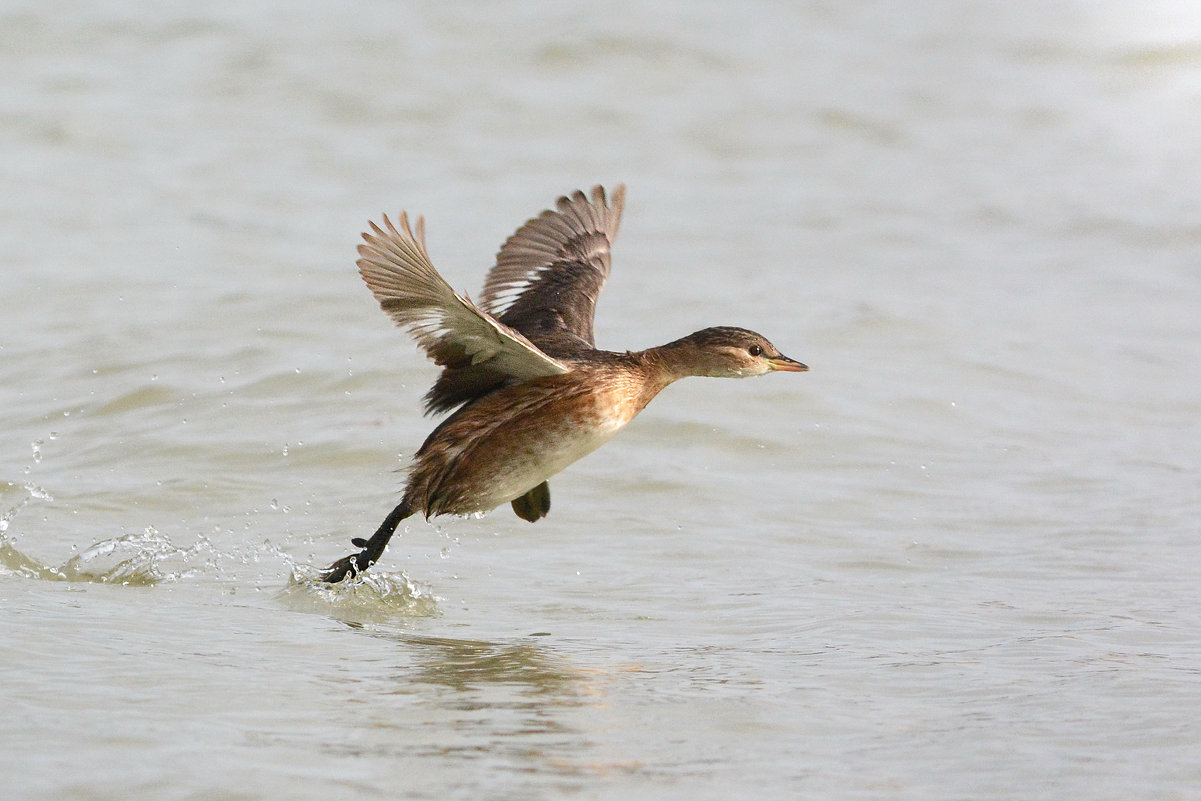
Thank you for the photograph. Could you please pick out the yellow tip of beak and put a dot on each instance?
(787, 365)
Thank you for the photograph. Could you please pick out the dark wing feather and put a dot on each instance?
(548, 275)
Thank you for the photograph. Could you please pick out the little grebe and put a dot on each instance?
(533, 394)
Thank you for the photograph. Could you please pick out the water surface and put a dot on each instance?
(958, 559)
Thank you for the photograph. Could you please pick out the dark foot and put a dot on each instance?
(346, 566)
(356, 563)
(373, 549)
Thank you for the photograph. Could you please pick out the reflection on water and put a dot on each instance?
(518, 702)
(466, 665)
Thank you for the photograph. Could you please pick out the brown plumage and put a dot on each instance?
(532, 393)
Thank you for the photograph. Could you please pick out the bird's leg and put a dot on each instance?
(373, 548)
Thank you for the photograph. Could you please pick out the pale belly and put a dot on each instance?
(527, 467)
(503, 464)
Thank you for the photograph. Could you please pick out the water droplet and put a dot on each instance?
(274, 504)
(37, 492)
(37, 450)
(285, 451)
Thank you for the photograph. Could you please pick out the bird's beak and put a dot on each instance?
(782, 362)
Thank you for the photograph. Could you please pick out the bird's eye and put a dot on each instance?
(755, 350)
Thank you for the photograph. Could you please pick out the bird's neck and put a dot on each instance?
(671, 362)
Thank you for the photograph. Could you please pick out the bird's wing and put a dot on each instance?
(449, 327)
(548, 275)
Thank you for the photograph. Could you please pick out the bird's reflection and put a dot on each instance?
(525, 665)
(520, 702)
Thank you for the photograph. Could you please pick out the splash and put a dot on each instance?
(32, 492)
(148, 557)
(12, 560)
(141, 559)
(371, 596)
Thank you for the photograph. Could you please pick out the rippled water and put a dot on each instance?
(958, 559)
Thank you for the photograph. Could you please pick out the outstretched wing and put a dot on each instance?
(450, 328)
(548, 275)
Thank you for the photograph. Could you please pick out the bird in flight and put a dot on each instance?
(530, 391)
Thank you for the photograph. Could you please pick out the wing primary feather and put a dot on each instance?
(549, 273)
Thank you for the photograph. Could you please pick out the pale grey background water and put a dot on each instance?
(959, 559)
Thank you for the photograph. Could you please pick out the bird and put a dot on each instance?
(528, 389)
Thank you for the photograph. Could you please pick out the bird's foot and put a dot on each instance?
(354, 564)
(373, 548)
(347, 566)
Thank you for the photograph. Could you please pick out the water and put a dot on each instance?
(958, 559)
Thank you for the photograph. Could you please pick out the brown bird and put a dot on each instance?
(531, 391)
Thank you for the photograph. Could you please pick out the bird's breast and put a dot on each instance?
(513, 440)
